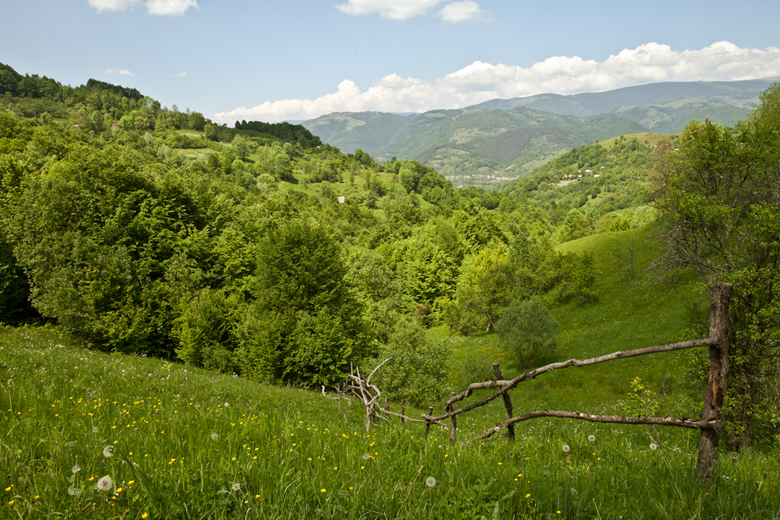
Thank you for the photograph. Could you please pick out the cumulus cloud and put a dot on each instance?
(480, 81)
(180, 75)
(462, 12)
(390, 9)
(156, 7)
(123, 72)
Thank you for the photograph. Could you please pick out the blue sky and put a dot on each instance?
(298, 59)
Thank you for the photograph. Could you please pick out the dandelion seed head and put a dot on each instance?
(430, 482)
(95, 429)
(75, 469)
(74, 491)
(214, 437)
(566, 448)
(236, 486)
(592, 438)
(653, 446)
(366, 456)
(108, 451)
(105, 483)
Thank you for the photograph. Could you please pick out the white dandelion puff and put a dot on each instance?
(566, 448)
(95, 429)
(75, 469)
(592, 438)
(74, 491)
(430, 482)
(108, 451)
(105, 483)
(653, 446)
(236, 486)
(214, 437)
(227, 405)
(366, 456)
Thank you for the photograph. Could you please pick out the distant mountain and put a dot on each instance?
(506, 138)
(737, 93)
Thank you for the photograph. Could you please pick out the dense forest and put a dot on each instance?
(259, 251)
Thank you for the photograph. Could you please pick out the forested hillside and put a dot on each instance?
(262, 253)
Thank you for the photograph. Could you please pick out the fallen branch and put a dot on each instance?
(665, 421)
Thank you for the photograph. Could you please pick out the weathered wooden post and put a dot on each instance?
(510, 430)
(716, 383)
(403, 407)
(428, 422)
(454, 424)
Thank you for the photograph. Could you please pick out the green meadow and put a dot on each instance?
(182, 442)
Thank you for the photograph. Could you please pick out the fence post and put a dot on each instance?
(403, 407)
(428, 422)
(510, 430)
(718, 378)
(454, 424)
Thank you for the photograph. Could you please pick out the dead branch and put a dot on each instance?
(665, 421)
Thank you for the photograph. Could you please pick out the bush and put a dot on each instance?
(418, 370)
(528, 330)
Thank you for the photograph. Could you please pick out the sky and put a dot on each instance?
(299, 59)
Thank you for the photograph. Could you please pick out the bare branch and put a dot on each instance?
(665, 421)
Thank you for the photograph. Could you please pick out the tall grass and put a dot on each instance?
(186, 443)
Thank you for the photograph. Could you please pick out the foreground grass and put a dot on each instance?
(186, 443)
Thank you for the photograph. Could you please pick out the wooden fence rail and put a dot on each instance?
(710, 423)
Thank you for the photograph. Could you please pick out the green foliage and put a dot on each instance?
(528, 330)
(718, 198)
(641, 401)
(417, 372)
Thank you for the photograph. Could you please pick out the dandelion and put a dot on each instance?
(236, 486)
(653, 446)
(322, 490)
(105, 483)
(227, 405)
(74, 491)
(566, 448)
(591, 438)
(108, 451)
(528, 495)
(75, 469)
(214, 437)
(366, 456)
(430, 482)
(95, 429)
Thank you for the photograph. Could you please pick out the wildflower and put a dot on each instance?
(227, 405)
(430, 482)
(653, 446)
(566, 448)
(105, 483)
(322, 490)
(75, 469)
(108, 451)
(236, 486)
(74, 491)
(366, 456)
(528, 495)
(591, 438)
(214, 437)
(145, 515)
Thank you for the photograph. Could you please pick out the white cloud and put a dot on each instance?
(180, 75)
(462, 12)
(390, 9)
(480, 81)
(170, 7)
(123, 72)
(156, 7)
(111, 5)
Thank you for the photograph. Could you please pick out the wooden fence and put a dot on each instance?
(710, 423)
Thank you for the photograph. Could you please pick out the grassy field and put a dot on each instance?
(85, 434)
